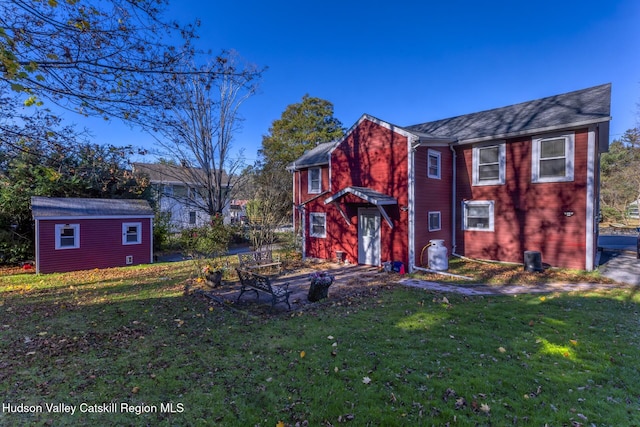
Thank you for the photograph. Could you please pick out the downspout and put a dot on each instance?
(411, 212)
(453, 200)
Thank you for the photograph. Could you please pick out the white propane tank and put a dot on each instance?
(437, 254)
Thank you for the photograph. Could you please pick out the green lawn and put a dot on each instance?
(129, 341)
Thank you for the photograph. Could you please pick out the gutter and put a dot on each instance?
(454, 215)
(534, 131)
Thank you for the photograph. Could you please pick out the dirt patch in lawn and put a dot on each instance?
(350, 281)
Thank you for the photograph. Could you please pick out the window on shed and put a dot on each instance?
(315, 180)
(433, 164)
(131, 233)
(67, 236)
(192, 217)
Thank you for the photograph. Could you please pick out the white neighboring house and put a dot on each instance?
(633, 210)
(178, 194)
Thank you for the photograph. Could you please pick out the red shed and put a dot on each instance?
(80, 234)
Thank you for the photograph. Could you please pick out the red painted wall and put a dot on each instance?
(100, 245)
(528, 216)
(432, 195)
(375, 157)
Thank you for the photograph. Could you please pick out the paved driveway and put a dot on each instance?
(618, 259)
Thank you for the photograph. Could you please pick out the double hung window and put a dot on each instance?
(489, 164)
(318, 224)
(552, 158)
(67, 236)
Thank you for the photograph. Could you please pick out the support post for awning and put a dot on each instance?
(342, 212)
(385, 215)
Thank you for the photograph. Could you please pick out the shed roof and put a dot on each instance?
(67, 207)
(577, 108)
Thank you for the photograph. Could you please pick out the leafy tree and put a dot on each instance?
(106, 58)
(51, 165)
(620, 175)
(301, 127)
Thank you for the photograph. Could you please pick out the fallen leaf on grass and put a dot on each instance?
(485, 408)
(366, 380)
(302, 354)
(501, 349)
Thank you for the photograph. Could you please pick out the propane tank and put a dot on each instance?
(437, 254)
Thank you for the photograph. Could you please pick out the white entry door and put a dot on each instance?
(368, 236)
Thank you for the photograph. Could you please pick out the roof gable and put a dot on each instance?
(67, 207)
(578, 108)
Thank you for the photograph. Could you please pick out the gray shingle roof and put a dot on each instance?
(162, 173)
(62, 207)
(318, 155)
(586, 106)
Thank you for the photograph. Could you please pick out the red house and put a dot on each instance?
(79, 234)
(491, 184)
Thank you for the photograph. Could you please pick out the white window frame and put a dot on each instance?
(323, 217)
(59, 228)
(436, 155)
(125, 226)
(569, 151)
(312, 189)
(502, 163)
(469, 203)
(439, 227)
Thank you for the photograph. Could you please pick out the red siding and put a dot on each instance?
(374, 157)
(528, 216)
(432, 195)
(100, 245)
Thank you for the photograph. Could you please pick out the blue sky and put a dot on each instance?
(408, 62)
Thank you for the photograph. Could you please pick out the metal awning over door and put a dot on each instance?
(373, 197)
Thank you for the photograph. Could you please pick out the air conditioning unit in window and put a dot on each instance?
(129, 259)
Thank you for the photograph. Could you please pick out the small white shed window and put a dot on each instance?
(67, 236)
(131, 233)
